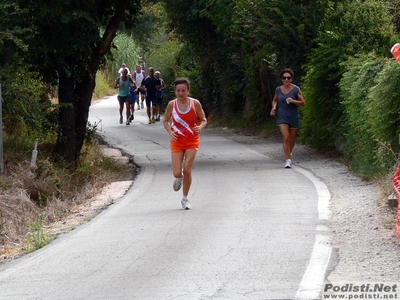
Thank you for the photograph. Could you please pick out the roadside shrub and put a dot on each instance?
(385, 114)
(355, 86)
(27, 109)
(351, 28)
(37, 237)
(371, 120)
(103, 85)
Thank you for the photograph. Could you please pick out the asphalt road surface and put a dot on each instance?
(256, 230)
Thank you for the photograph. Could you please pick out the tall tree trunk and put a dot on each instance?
(85, 90)
(74, 100)
(75, 94)
(66, 146)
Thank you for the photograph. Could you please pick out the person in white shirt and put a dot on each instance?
(138, 77)
(123, 67)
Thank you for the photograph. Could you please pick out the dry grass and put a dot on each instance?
(49, 192)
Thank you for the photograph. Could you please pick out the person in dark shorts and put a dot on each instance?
(132, 91)
(150, 85)
(287, 99)
(160, 95)
(123, 83)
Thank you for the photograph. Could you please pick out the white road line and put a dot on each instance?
(324, 196)
(313, 279)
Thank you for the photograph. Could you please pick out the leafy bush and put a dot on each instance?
(351, 28)
(355, 89)
(371, 122)
(37, 236)
(124, 51)
(385, 115)
(103, 85)
(27, 109)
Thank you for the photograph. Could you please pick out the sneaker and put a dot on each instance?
(127, 123)
(158, 118)
(142, 105)
(288, 163)
(120, 120)
(177, 184)
(131, 118)
(185, 204)
(138, 107)
(153, 120)
(150, 122)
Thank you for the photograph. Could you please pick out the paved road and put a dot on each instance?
(256, 230)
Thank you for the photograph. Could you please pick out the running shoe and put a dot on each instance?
(131, 118)
(177, 184)
(150, 122)
(121, 120)
(127, 123)
(142, 105)
(186, 204)
(138, 107)
(158, 118)
(288, 164)
(153, 120)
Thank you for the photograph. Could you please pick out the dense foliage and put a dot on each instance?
(238, 47)
(370, 97)
(232, 50)
(344, 34)
(66, 47)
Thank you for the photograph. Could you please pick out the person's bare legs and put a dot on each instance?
(121, 109)
(143, 96)
(292, 137)
(148, 112)
(138, 96)
(286, 139)
(132, 109)
(177, 159)
(154, 107)
(128, 111)
(184, 174)
(190, 155)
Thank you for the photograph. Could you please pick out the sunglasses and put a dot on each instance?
(286, 77)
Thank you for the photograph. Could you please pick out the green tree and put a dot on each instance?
(350, 28)
(274, 34)
(239, 46)
(27, 111)
(126, 51)
(355, 91)
(66, 47)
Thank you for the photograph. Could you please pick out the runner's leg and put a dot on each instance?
(190, 156)
(284, 128)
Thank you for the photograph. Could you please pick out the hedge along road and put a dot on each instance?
(255, 231)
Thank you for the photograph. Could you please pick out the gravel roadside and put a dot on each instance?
(366, 248)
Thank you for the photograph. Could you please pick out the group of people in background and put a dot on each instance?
(139, 88)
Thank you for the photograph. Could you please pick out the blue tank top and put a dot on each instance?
(288, 113)
(124, 90)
